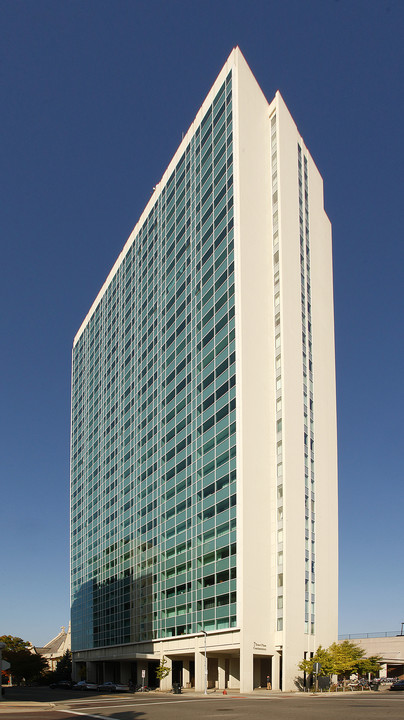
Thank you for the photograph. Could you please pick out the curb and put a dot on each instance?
(17, 706)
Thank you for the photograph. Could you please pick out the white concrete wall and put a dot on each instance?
(389, 648)
(256, 389)
(255, 385)
(292, 402)
(295, 642)
(325, 416)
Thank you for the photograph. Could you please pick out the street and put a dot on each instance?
(355, 706)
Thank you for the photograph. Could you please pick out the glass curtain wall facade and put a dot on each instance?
(153, 444)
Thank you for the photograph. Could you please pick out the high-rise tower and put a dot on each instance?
(203, 457)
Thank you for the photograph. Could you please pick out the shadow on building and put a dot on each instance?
(112, 623)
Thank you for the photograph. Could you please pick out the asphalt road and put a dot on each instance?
(350, 706)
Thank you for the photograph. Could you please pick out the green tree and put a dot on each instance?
(64, 666)
(369, 665)
(322, 656)
(24, 664)
(13, 643)
(349, 658)
(63, 670)
(346, 656)
(342, 659)
(163, 669)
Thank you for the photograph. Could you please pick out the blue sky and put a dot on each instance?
(96, 96)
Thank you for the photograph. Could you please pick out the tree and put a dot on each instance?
(346, 657)
(370, 665)
(322, 656)
(63, 670)
(163, 669)
(343, 658)
(14, 643)
(350, 658)
(64, 666)
(24, 664)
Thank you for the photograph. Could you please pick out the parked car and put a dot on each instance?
(399, 685)
(112, 687)
(84, 685)
(62, 684)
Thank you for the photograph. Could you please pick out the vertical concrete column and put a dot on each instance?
(76, 671)
(383, 670)
(200, 662)
(108, 672)
(91, 671)
(185, 673)
(199, 670)
(125, 672)
(234, 674)
(167, 682)
(221, 672)
(275, 666)
(246, 668)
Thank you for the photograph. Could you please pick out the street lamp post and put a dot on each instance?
(206, 665)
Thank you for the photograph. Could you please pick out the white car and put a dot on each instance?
(112, 687)
(84, 685)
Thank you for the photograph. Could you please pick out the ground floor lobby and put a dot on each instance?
(214, 661)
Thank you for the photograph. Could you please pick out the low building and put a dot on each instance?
(388, 645)
(54, 650)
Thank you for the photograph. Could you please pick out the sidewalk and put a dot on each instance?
(29, 706)
(16, 705)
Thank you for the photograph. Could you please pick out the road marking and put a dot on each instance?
(126, 702)
(103, 717)
(97, 701)
(84, 714)
(141, 704)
